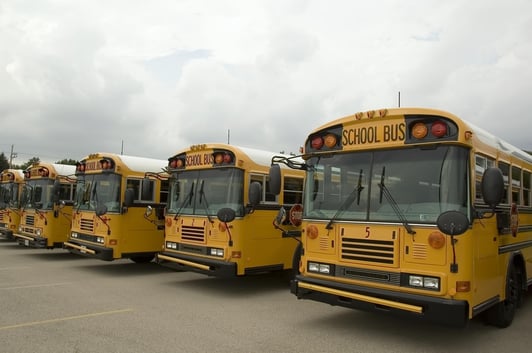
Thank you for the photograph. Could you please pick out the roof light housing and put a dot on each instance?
(327, 139)
(428, 128)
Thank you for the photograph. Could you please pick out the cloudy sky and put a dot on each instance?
(148, 78)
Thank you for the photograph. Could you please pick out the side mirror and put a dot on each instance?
(452, 223)
(226, 215)
(56, 191)
(129, 197)
(492, 186)
(275, 179)
(101, 210)
(255, 193)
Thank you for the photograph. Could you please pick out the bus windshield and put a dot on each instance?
(98, 189)
(205, 192)
(38, 194)
(420, 184)
(9, 195)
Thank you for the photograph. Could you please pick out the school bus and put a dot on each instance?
(108, 221)
(219, 213)
(11, 181)
(46, 205)
(414, 212)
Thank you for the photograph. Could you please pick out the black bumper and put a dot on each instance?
(31, 242)
(210, 267)
(90, 250)
(438, 310)
(6, 234)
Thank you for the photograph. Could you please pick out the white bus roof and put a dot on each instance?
(140, 164)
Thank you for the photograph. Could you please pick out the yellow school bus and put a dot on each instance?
(46, 205)
(415, 212)
(108, 221)
(11, 181)
(219, 213)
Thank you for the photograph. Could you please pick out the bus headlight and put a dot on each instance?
(99, 240)
(38, 232)
(171, 245)
(425, 282)
(216, 252)
(74, 235)
(318, 267)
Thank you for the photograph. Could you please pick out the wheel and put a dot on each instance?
(502, 314)
(142, 259)
(296, 260)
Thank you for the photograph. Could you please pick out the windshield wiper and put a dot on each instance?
(188, 199)
(395, 206)
(206, 204)
(354, 195)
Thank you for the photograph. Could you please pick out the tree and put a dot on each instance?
(4, 163)
(30, 162)
(67, 161)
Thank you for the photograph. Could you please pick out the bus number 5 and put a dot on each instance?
(367, 232)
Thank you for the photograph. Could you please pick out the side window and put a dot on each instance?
(164, 191)
(481, 164)
(526, 188)
(505, 168)
(516, 185)
(149, 188)
(65, 192)
(263, 181)
(293, 190)
(135, 185)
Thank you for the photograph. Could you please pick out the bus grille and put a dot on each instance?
(1, 217)
(30, 220)
(86, 225)
(192, 233)
(368, 250)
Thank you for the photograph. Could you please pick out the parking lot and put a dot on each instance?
(53, 301)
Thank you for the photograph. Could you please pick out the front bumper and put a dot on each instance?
(438, 310)
(89, 250)
(31, 241)
(210, 267)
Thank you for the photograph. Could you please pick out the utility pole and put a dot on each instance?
(399, 99)
(11, 156)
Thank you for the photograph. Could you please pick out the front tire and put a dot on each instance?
(502, 314)
(296, 260)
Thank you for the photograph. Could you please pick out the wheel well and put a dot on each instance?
(519, 264)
